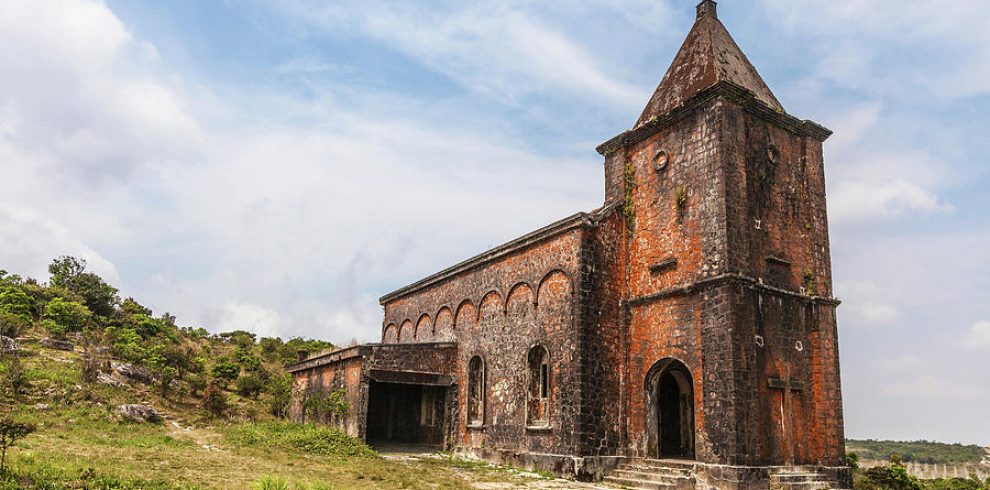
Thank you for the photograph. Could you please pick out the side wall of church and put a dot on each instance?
(499, 311)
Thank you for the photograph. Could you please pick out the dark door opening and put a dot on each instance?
(405, 414)
(671, 440)
(670, 420)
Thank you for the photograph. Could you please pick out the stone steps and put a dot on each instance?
(653, 474)
(799, 480)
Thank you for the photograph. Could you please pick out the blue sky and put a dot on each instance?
(278, 165)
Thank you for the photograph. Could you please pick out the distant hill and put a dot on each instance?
(927, 452)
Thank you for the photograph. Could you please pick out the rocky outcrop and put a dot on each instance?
(8, 345)
(132, 372)
(109, 380)
(139, 413)
(51, 343)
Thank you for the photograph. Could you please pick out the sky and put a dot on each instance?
(277, 165)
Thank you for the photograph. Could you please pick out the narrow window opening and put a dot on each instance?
(476, 392)
(538, 399)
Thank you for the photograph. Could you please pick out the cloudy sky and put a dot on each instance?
(276, 165)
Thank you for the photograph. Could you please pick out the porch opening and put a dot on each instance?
(405, 414)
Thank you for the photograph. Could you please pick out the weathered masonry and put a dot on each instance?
(681, 335)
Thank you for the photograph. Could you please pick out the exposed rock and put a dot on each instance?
(139, 413)
(109, 380)
(41, 407)
(132, 372)
(8, 345)
(58, 344)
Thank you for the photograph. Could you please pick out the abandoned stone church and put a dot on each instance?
(682, 335)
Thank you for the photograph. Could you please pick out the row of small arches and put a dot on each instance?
(553, 288)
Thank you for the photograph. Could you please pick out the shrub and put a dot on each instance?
(852, 460)
(280, 387)
(69, 315)
(14, 378)
(11, 431)
(325, 407)
(215, 401)
(226, 371)
(249, 386)
(269, 482)
(894, 477)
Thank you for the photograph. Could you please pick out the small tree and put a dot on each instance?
(215, 401)
(11, 431)
(226, 371)
(69, 315)
(14, 379)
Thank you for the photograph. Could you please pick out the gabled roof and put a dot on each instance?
(708, 56)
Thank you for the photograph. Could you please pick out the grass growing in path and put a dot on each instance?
(307, 438)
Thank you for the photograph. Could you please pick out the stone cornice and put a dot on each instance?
(725, 90)
(579, 220)
(710, 282)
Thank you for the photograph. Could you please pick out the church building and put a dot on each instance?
(682, 335)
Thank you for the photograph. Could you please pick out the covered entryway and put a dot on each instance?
(405, 412)
(670, 410)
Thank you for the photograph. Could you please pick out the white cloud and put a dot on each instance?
(877, 313)
(930, 387)
(857, 202)
(978, 336)
(502, 49)
(253, 318)
(31, 240)
(903, 364)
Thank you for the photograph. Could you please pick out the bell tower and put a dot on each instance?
(726, 272)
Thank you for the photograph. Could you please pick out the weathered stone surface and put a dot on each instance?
(8, 345)
(51, 343)
(108, 379)
(132, 373)
(139, 413)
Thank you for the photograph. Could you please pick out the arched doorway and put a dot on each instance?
(670, 410)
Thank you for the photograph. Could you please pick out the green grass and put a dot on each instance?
(324, 441)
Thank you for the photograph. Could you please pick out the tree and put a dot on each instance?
(15, 311)
(226, 371)
(69, 315)
(70, 273)
(11, 431)
(215, 401)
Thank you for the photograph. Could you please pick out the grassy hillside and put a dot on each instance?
(81, 442)
(916, 451)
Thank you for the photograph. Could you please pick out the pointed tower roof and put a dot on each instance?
(708, 56)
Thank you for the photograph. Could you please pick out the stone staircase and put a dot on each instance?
(799, 478)
(653, 474)
(674, 474)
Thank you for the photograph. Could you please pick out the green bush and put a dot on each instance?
(250, 386)
(69, 315)
(319, 440)
(215, 401)
(894, 477)
(226, 371)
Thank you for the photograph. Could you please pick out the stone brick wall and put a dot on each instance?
(499, 309)
(724, 265)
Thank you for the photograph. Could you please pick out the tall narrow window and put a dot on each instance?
(476, 392)
(538, 401)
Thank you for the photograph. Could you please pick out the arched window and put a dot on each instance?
(538, 401)
(476, 392)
